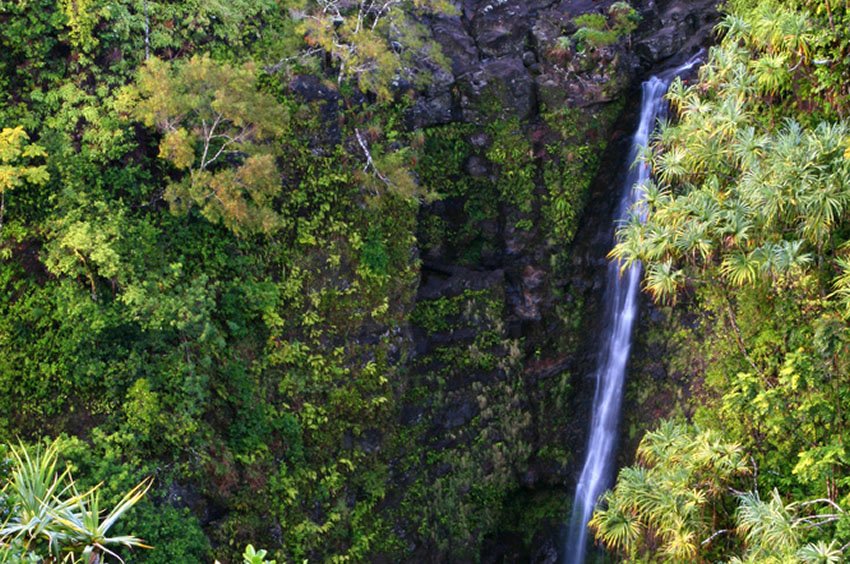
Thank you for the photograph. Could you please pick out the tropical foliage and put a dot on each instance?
(184, 273)
(48, 520)
(215, 110)
(209, 254)
(746, 222)
(14, 172)
(746, 186)
(213, 220)
(600, 30)
(680, 503)
(374, 43)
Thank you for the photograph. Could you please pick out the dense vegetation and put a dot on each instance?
(746, 223)
(213, 218)
(185, 274)
(211, 222)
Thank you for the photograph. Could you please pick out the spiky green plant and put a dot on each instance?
(662, 506)
(767, 526)
(34, 485)
(50, 520)
(820, 553)
(87, 527)
(680, 499)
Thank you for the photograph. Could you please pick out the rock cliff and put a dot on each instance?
(524, 138)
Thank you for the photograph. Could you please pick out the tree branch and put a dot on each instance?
(208, 135)
(739, 340)
(711, 538)
(822, 500)
(369, 161)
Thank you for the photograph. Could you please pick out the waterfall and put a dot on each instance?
(621, 308)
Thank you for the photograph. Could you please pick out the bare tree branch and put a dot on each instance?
(369, 161)
(717, 533)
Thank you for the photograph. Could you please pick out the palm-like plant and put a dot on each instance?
(666, 507)
(739, 268)
(821, 553)
(841, 284)
(772, 73)
(663, 280)
(33, 484)
(87, 528)
(617, 526)
(749, 204)
(662, 504)
(50, 520)
(736, 28)
(749, 191)
(781, 31)
(767, 526)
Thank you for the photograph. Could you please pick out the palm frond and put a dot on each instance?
(663, 280)
(767, 525)
(820, 553)
(739, 268)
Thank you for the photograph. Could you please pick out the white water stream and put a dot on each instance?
(621, 308)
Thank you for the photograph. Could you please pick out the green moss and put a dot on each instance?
(512, 187)
(512, 154)
(601, 30)
(573, 163)
(374, 252)
(464, 473)
(443, 156)
(437, 315)
(526, 513)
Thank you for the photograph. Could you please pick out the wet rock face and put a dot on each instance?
(488, 382)
(500, 27)
(514, 60)
(516, 47)
(504, 81)
(673, 28)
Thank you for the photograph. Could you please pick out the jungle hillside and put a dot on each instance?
(324, 280)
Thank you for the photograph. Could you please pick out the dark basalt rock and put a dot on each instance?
(507, 61)
(457, 44)
(458, 414)
(478, 167)
(488, 42)
(504, 82)
(435, 110)
(311, 89)
(674, 28)
(500, 27)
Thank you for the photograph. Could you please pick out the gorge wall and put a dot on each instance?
(441, 357)
(524, 138)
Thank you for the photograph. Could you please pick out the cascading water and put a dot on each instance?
(621, 303)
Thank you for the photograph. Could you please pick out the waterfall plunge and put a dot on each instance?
(621, 308)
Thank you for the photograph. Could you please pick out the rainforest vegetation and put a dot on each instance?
(186, 261)
(214, 221)
(746, 221)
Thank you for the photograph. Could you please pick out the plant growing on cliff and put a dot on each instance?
(16, 166)
(216, 127)
(50, 521)
(601, 30)
(746, 187)
(378, 44)
(748, 214)
(682, 503)
(665, 502)
(254, 556)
